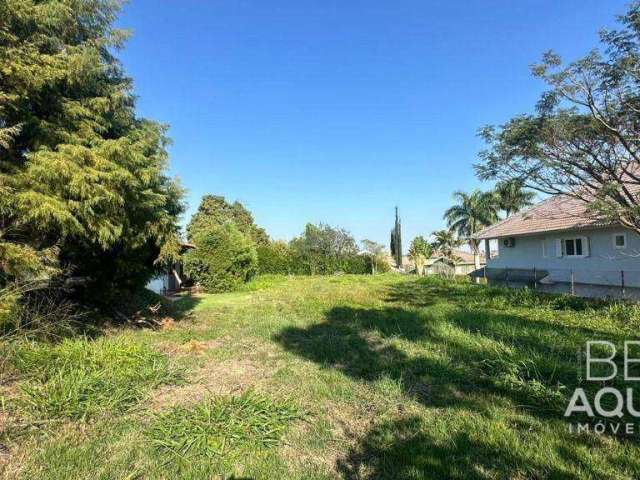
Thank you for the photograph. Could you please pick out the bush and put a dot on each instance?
(357, 264)
(274, 258)
(223, 259)
(27, 310)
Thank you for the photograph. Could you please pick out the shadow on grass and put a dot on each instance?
(451, 356)
(405, 449)
(183, 308)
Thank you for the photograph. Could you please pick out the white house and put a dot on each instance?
(558, 246)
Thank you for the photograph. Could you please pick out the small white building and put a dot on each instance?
(458, 263)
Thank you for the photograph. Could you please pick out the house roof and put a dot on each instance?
(559, 212)
(460, 256)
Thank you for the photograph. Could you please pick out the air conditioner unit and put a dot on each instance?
(509, 242)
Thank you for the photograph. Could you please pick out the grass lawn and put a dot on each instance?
(317, 378)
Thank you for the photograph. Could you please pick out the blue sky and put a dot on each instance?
(337, 111)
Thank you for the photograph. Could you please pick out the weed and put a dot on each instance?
(80, 378)
(222, 426)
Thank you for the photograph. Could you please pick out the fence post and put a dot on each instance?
(535, 279)
(573, 286)
(506, 276)
(622, 282)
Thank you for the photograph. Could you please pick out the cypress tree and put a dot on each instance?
(83, 187)
(397, 241)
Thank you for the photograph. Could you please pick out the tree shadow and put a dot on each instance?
(459, 357)
(405, 449)
(357, 342)
(183, 308)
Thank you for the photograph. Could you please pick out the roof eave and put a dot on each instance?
(488, 236)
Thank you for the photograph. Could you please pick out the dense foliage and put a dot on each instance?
(275, 257)
(322, 249)
(419, 251)
(376, 255)
(83, 188)
(582, 141)
(223, 260)
(214, 210)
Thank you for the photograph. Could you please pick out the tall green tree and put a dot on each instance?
(83, 187)
(472, 212)
(582, 141)
(395, 244)
(375, 251)
(215, 210)
(323, 249)
(419, 251)
(512, 197)
(223, 260)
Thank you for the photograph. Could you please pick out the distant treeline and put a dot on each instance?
(230, 249)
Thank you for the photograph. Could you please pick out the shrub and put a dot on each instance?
(31, 311)
(275, 258)
(223, 259)
(81, 378)
(357, 264)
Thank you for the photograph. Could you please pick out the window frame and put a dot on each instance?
(615, 245)
(584, 246)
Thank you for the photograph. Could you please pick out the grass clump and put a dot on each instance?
(79, 378)
(222, 427)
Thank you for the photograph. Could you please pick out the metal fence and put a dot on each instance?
(591, 283)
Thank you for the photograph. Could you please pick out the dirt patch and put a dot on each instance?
(230, 376)
(192, 347)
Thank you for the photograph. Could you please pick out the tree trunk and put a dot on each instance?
(476, 258)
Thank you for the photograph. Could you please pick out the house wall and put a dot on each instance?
(602, 266)
(466, 268)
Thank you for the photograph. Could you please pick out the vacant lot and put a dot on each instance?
(334, 377)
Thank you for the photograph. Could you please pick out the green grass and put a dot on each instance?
(81, 378)
(398, 378)
(220, 430)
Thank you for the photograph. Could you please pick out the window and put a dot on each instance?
(619, 241)
(575, 247)
(544, 249)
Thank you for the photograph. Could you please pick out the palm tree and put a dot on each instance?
(512, 197)
(444, 241)
(472, 213)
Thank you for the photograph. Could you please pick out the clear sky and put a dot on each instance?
(336, 111)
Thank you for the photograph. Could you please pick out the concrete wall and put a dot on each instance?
(602, 266)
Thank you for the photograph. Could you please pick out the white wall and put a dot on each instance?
(602, 266)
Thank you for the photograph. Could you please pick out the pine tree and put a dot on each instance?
(82, 179)
(214, 210)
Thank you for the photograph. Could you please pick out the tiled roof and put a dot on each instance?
(460, 255)
(559, 212)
